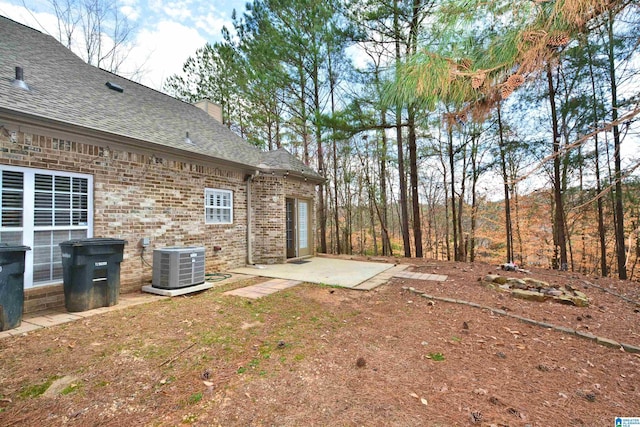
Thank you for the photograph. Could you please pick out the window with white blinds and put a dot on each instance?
(11, 207)
(218, 206)
(40, 209)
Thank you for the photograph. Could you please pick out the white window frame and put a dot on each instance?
(28, 216)
(210, 217)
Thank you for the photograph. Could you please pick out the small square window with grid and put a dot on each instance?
(218, 206)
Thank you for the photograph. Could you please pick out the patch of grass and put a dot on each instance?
(436, 357)
(195, 398)
(265, 351)
(299, 357)
(70, 389)
(456, 339)
(241, 370)
(36, 389)
(152, 351)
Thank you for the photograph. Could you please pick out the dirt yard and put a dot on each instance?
(320, 356)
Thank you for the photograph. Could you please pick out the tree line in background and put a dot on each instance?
(410, 110)
(422, 114)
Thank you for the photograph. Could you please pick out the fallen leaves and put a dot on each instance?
(422, 399)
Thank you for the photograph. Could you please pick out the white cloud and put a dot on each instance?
(212, 24)
(358, 56)
(162, 51)
(130, 12)
(178, 10)
(44, 22)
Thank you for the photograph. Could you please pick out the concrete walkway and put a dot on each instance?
(262, 289)
(44, 319)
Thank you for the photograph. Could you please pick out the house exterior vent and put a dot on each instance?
(19, 80)
(178, 267)
(114, 86)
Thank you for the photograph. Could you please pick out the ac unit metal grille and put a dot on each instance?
(178, 267)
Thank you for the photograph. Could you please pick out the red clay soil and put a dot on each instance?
(321, 356)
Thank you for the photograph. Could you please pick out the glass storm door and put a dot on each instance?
(304, 242)
(298, 228)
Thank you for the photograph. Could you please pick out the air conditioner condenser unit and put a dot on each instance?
(178, 267)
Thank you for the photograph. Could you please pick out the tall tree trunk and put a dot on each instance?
(475, 174)
(387, 250)
(413, 180)
(596, 142)
(505, 182)
(322, 209)
(372, 218)
(412, 46)
(558, 218)
(462, 241)
(303, 115)
(518, 232)
(619, 210)
(454, 218)
(334, 153)
(404, 220)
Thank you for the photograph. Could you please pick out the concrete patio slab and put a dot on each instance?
(328, 271)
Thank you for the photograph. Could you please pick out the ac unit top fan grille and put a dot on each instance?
(178, 267)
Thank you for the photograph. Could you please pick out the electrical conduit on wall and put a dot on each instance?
(249, 181)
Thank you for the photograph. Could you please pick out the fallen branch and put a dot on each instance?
(598, 340)
(632, 301)
(176, 356)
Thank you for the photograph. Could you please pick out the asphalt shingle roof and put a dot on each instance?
(282, 160)
(65, 89)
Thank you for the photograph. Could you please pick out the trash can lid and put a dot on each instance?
(5, 247)
(94, 241)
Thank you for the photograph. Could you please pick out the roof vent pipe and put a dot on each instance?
(188, 140)
(19, 80)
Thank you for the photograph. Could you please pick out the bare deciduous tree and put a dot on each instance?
(96, 30)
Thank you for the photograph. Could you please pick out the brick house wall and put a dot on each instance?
(269, 215)
(138, 194)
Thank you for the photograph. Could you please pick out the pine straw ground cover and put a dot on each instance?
(315, 355)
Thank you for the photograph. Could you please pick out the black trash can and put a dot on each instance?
(91, 272)
(11, 285)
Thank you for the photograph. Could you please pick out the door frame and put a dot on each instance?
(292, 228)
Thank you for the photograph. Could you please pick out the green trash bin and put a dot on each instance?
(11, 285)
(91, 272)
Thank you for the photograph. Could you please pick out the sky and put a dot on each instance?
(167, 31)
